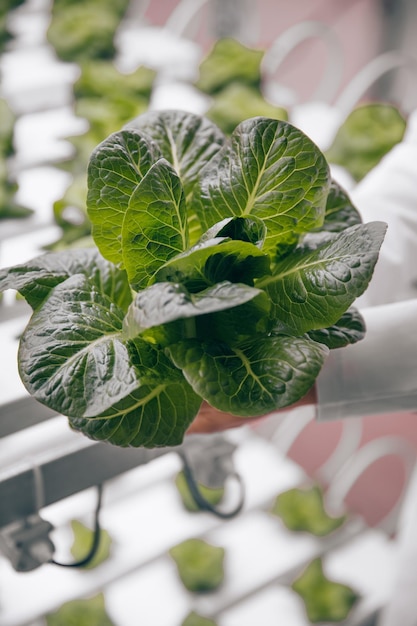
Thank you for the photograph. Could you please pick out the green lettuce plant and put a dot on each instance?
(225, 269)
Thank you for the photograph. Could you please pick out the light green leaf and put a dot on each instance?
(116, 168)
(84, 31)
(269, 170)
(155, 225)
(85, 612)
(324, 600)
(73, 359)
(36, 278)
(228, 61)
(349, 329)
(212, 495)
(213, 261)
(185, 140)
(199, 564)
(311, 290)
(370, 132)
(193, 619)
(238, 102)
(303, 510)
(100, 78)
(165, 302)
(83, 540)
(260, 376)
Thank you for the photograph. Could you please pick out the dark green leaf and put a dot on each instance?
(200, 565)
(269, 170)
(249, 229)
(350, 328)
(36, 278)
(157, 413)
(155, 225)
(325, 600)
(303, 510)
(237, 324)
(73, 359)
(165, 302)
(340, 212)
(370, 131)
(258, 377)
(116, 168)
(213, 261)
(311, 290)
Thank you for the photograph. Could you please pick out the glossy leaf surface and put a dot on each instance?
(313, 289)
(185, 140)
(269, 170)
(165, 302)
(73, 359)
(36, 278)
(155, 225)
(253, 379)
(215, 260)
(116, 168)
(350, 328)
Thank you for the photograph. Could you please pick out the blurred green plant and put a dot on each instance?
(199, 564)
(369, 132)
(303, 510)
(86, 30)
(5, 7)
(86, 612)
(231, 75)
(324, 600)
(83, 539)
(213, 496)
(9, 208)
(229, 61)
(238, 102)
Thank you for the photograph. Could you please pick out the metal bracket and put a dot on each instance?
(26, 543)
